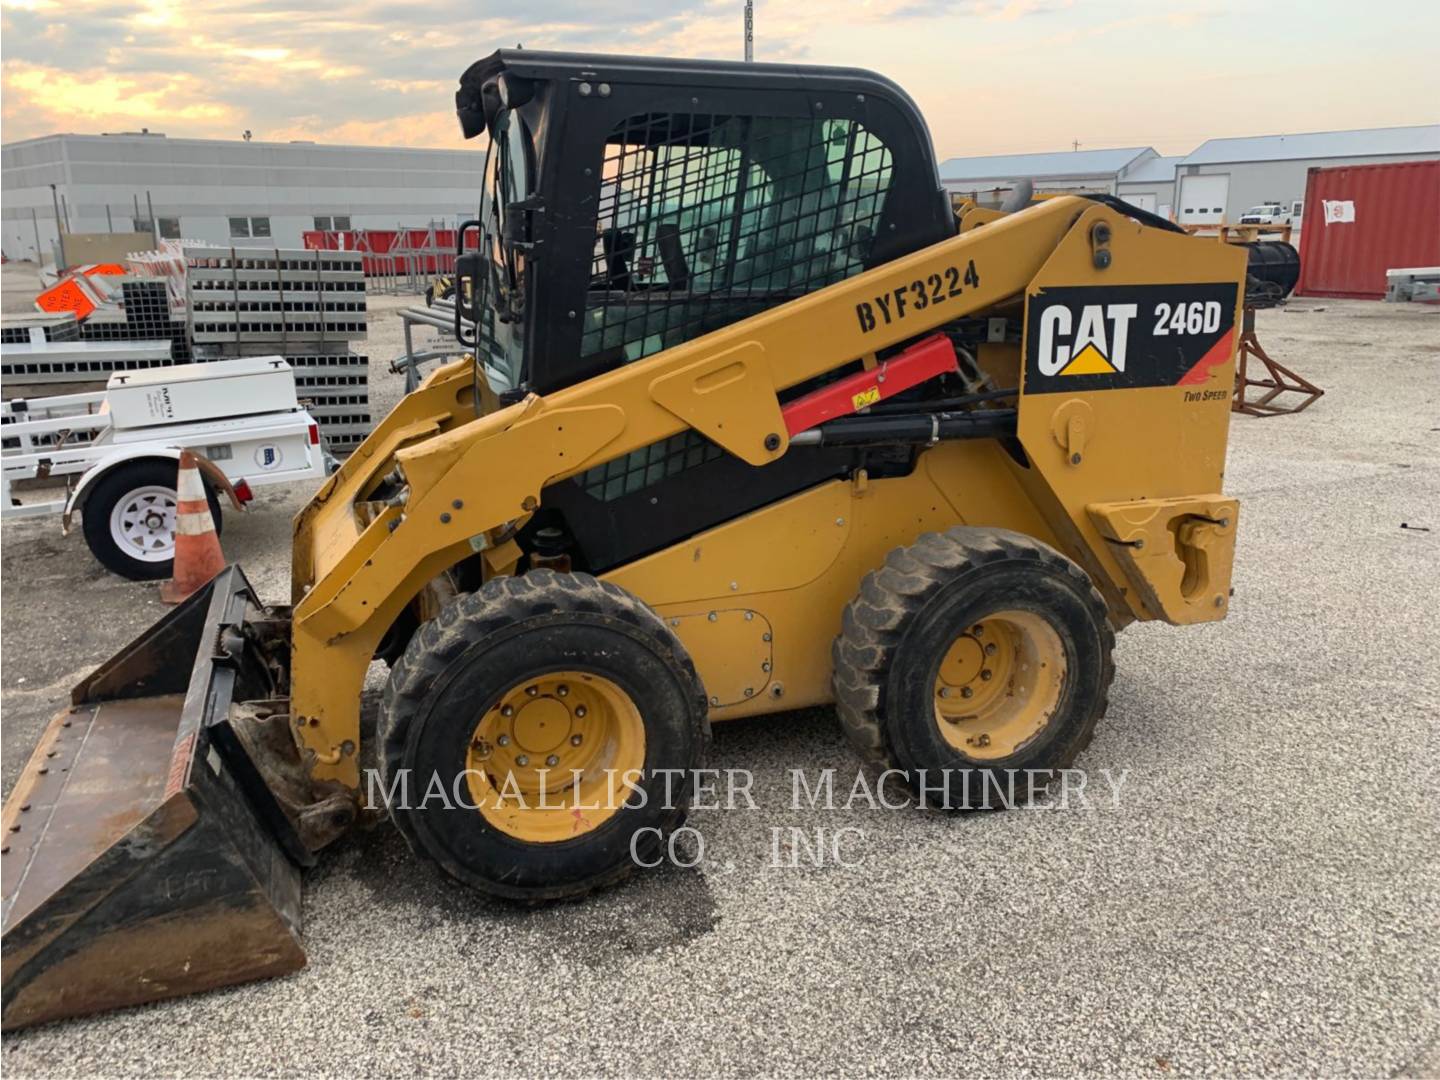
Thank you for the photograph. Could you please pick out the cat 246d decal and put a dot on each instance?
(1125, 336)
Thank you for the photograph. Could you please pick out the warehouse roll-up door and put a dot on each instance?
(1202, 199)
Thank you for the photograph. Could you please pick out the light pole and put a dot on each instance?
(749, 30)
(59, 230)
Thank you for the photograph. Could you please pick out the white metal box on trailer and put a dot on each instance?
(194, 393)
(1202, 199)
(1412, 283)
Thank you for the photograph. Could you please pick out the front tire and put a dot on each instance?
(561, 719)
(129, 519)
(969, 654)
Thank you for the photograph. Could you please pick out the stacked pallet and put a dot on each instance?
(56, 350)
(307, 306)
(145, 315)
(36, 327)
(56, 363)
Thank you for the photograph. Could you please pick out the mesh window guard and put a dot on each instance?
(648, 465)
(704, 220)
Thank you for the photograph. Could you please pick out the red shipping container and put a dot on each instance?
(1378, 218)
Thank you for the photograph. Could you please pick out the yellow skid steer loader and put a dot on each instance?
(752, 421)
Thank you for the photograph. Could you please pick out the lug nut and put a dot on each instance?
(979, 628)
(580, 710)
(562, 690)
(987, 674)
(552, 760)
(966, 692)
(503, 740)
(532, 690)
(990, 648)
(522, 760)
(944, 691)
(575, 740)
(507, 711)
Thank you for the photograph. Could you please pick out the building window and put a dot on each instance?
(246, 227)
(339, 223)
(323, 224)
(342, 222)
(141, 224)
(170, 228)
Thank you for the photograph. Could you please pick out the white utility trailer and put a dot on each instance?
(117, 451)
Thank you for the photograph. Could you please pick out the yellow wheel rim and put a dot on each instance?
(556, 756)
(999, 684)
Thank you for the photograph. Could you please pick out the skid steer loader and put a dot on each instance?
(753, 421)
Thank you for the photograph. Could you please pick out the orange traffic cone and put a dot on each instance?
(198, 557)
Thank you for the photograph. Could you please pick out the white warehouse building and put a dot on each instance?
(1151, 186)
(241, 193)
(987, 179)
(1215, 183)
(1222, 178)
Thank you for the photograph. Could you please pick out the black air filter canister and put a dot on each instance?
(1275, 265)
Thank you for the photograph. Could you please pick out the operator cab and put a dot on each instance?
(631, 204)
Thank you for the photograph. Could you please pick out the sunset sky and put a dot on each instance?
(993, 76)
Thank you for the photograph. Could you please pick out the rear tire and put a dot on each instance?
(113, 516)
(968, 654)
(550, 671)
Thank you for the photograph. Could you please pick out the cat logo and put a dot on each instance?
(1115, 337)
(1092, 344)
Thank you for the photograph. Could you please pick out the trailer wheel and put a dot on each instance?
(129, 519)
(969, 654)
(539, 736)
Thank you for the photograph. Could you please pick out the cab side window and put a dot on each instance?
(706, 219)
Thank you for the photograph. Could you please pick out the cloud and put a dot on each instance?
(54, 100)
(279, 67)
(375, 68)
(434, 129)
(992, 74)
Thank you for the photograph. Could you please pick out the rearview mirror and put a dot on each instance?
(469, 265)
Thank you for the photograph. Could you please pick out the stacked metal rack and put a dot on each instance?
(307, 306)
(43, 349)
(36, 327)
(146, 316)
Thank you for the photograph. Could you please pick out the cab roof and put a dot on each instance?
(672, 71)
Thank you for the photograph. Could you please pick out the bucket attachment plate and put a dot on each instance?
(139, 859)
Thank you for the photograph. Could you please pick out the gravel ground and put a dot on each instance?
(1260, 898)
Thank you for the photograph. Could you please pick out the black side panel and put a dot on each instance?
(612, 531)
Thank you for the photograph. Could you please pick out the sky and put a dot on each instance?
(992, 76)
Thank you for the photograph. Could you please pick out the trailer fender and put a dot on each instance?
(91, 476)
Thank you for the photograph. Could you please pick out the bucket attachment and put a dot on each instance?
(143, 855)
